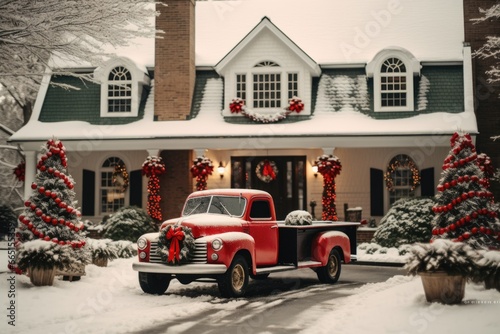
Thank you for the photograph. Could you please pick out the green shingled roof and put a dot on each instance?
(80, 105)
(444, 93)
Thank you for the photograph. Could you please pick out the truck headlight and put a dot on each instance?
(142, 243)
(216, 244)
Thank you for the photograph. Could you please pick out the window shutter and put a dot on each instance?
(88, 193)
(136, 188)
(376, 192)
(427, 182)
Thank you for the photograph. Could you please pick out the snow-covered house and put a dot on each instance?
(384, 85)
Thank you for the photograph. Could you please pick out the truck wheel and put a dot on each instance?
(331, 272)
(235, 281)
(155, 284)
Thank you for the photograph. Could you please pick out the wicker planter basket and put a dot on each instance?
(100, 262)
(443, 288)
(492, 282)
(42, 276)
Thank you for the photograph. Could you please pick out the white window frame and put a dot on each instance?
(108, 188)
(374, 69)
(265, 70)
(139, 79)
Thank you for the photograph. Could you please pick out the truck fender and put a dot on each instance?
(324, 242)
(232, 243)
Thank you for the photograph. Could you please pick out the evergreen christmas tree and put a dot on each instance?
(51, 215)
(464, 209)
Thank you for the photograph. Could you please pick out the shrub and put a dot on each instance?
(128, 223)
(101, 249)
(408, 221)
(124, 248)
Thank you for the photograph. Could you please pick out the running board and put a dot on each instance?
(301, 264)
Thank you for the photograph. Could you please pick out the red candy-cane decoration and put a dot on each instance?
(153, 167)
(202, 167)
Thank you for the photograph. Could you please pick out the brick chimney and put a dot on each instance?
(175, 60)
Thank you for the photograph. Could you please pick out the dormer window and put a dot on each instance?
(392, 71)
(119, 90)
(271, 87)
(121, 87)
(393, 83)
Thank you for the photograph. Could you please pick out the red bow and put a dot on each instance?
(236, 105)
(267, 170)
(174, 235)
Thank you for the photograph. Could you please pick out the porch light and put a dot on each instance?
(315, 170)
(221, 169)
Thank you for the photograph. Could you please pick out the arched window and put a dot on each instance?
(113, 185)
(393, 87)
(402, 178)
(119, 90)
(393, 72)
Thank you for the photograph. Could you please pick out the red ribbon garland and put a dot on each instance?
(174, 235)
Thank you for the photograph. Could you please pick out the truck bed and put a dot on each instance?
(295, 240)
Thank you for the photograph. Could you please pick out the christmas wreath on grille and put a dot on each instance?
(176, 244)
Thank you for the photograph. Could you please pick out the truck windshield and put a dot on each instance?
(224, 205)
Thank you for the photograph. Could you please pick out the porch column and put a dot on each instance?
(30, 172)
(199, 151)
(153, 152)
(329, 150)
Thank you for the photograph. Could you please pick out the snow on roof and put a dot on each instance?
(329, 31)
(336, 31)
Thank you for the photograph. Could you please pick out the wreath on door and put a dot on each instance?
(266, 171)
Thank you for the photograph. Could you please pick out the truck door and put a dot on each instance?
(264, 230)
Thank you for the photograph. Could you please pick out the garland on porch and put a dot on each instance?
(266, 171)
(176, 244)
(237, 106)
(329, 167)
(153, 167)
(202, 167)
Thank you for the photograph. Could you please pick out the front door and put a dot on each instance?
(284, 177)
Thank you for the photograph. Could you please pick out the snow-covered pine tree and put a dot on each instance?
(409, 220)
(464, 209)
(51, 215)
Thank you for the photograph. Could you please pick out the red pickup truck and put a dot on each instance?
(230, 235)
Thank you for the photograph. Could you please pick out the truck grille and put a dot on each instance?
(200, 252)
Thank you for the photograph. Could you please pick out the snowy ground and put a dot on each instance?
(109, 300)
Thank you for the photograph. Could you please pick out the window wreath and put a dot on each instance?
(394, 165)
(120, 178)
(266, 171)
(176, 244)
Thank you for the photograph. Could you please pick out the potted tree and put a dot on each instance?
(49, 237)
(489, 269)
(465, 224)
(444, 267)
(102, 251)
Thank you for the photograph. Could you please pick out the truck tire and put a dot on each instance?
(155, 284)
(235, 281)
(331, 272)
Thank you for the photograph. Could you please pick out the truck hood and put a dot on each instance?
(204, 224)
